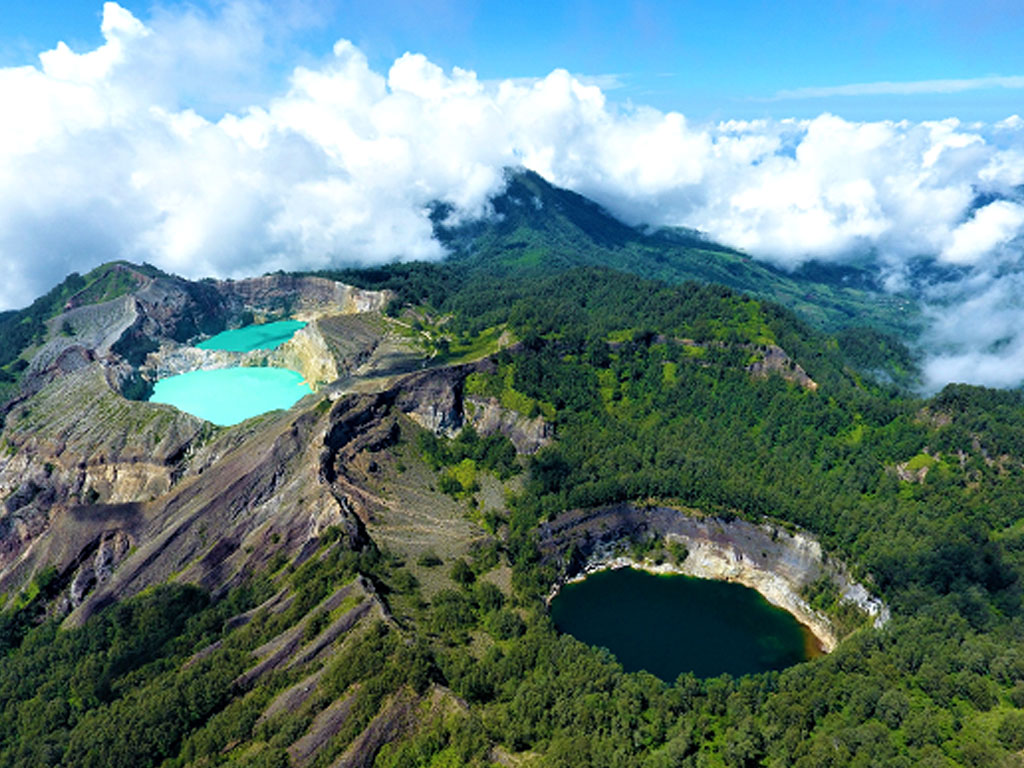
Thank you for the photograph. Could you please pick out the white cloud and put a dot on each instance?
(905, 88)
(990, 227)
(1011, 123)
(975, 332)
(102, 156)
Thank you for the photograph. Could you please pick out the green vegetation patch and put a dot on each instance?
(921, 461)
(941, 684)
(469, 347)
(460, 459)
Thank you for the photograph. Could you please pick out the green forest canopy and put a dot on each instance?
(648, 390)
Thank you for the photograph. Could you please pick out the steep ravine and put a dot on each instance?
(778, 564)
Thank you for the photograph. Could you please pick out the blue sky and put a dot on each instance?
(709, 60)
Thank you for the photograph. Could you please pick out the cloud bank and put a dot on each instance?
(102, 157)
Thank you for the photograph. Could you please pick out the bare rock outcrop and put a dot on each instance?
(774, 360)
(312, 351)
(81, 456)
(433, 399)
(253, 492)
(93, 330)
(489, 417)
(301, 297)
(77, 442)
(397, 716)
(111, 549)
(308, 353)
(201, 505)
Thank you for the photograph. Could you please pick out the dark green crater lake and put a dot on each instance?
(673, 624)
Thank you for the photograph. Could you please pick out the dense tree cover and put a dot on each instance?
(28, 609)
(460, 460)
(650, 395)
(922, 497)
(870, 350)
(113, 693)
(540, 231)
(127, 689)
(927, 690)
(591, 302)
(883, 698)
(656, 421)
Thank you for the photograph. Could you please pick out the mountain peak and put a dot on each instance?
(537, 226)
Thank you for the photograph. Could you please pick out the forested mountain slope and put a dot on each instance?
(358, 581)
(542, 228)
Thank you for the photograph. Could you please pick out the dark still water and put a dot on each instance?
(673, 624)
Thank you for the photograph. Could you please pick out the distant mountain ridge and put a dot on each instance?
(538, 227)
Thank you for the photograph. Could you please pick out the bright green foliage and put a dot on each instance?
(118, 691)
(945, 552)
(502, 387)
(460, 458)
(114, 693)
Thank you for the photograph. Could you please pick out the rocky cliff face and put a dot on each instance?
(181, 310)
(488, 417)
(251, 492)
(778, 564)
(302, 297)
(200, 504)
(433, 399)
(83, 469)
(77, 442)
(120, 494)
(772, 359)
(308, 353)
(312, 351)
(436, 400)
(94, 330)
(154, 493)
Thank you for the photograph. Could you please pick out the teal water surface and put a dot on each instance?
(230, 395)
(673, 624)
(266, 336)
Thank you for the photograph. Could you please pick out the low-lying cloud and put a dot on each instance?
(112, 153)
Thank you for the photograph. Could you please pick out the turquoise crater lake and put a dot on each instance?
(229, 395)
(673, 624)
(251, 337)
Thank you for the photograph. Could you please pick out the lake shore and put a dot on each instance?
(779, 564)
(774, 590)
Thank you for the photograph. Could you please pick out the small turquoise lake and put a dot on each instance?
(673, 624)
(266, 336)
(230, 395)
